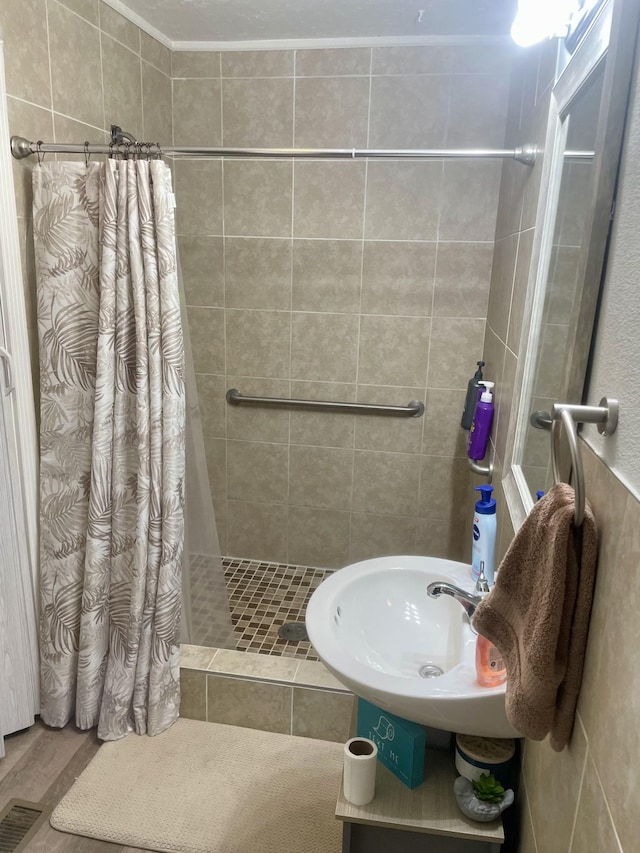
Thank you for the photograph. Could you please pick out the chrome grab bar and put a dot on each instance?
(605, 416)
(415, 409)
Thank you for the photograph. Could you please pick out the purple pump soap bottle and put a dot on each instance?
(481, 426)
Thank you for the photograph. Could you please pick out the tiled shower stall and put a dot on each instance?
(346, 280)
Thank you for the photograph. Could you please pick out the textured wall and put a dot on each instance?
(616, 368)
(73, 68)
(346, 280)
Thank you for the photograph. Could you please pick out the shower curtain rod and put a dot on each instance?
(21, 147)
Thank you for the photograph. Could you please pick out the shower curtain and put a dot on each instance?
(112, 445)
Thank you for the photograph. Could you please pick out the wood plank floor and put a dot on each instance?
(40, 765)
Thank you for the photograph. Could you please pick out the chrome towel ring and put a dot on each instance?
(568, 415)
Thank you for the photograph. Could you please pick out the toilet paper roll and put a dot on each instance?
(360, 761)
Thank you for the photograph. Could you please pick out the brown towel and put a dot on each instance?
(537, 615)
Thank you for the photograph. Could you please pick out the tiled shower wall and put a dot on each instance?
(72, 69)
(346, 280)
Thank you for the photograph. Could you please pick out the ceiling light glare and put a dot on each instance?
(540, 19)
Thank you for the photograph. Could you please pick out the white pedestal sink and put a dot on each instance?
(374, 626)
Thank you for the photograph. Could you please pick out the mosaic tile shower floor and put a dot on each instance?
(262, 597)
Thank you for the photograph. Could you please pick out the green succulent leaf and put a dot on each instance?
(488, 789)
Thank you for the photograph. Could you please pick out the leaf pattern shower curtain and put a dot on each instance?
(112, 445)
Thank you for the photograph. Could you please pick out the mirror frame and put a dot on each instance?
(611, 37)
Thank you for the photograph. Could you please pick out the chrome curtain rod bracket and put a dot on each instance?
(482, 470)
(415, 409)
(526, 154)
(570, 416)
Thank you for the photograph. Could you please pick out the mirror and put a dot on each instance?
(583, 146)
(568, 244)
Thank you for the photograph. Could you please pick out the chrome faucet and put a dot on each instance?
(466, 599)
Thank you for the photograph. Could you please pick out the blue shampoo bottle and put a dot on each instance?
(483, 546)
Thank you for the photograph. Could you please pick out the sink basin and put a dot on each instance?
(376, 629)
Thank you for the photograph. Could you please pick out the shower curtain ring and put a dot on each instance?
(39, 152)
(86, 153)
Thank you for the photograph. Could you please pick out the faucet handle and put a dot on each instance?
(482, 587)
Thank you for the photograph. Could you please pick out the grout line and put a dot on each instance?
(46, 13)
(579, 797)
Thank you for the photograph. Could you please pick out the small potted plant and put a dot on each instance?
(483, 799)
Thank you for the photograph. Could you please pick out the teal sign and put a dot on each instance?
(401, 744)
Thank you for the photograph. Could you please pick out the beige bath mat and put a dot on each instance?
(209, 788)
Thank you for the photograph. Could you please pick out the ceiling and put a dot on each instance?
(296, 20)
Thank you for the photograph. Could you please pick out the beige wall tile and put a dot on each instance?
(329, 199)
(519, 295)
(246, 423)
(326, 275)
(481, 58)
(409, 112)
(445, 537)
(23, 24)
(331, 112)
(34, 123)
(257, 63)
(402, 200)
(206, 326)
(463, 278)
(594, 828)
(553, 802)
(478, 184)
(381, 536)
(477, 115)
(443, 435)
(318, 537)
(197, 116)
(123, 94)
(315, 674)
(155, 53)
(608, 499)
(156, 104)
(216, 452)
(257, 113)
(87, 9)
(393, 351)
(202, 262)
(397, 278)
(257, 530)
(493, 356)
(527, 841)
(195, 63)
(320, 477)
(257, 198)
(193, 695)
(324, 347)
(199, 196)
(401, 435)
(561, 283)
(611, 719)
(118, 27)
(444, 485)
(329, 62)
(321, 714)
(385, 483)
(434, 59)
(258, 343)
(247, 663)
(220, 511)
(195, 657)
(552, 352)
(455, 346)
(256, 705)
(504, 403)
(76, 75)
(510, 202)
(325, 429)
(257, 273)
(211, 391)
(27, 257)
(257, 471)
